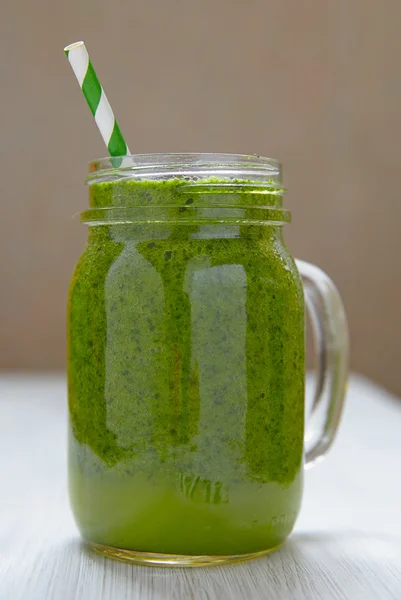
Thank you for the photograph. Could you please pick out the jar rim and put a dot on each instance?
(191, 166)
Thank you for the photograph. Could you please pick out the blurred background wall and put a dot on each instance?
(315, 83)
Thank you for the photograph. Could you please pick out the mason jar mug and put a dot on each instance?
(186, 361)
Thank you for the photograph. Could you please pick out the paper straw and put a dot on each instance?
(96, 98)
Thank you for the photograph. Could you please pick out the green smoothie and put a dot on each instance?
(186, 370)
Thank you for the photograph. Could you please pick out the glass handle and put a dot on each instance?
(330, 330)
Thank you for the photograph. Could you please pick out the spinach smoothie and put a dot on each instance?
(186, 368)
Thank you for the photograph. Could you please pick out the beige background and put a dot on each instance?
(315, 83)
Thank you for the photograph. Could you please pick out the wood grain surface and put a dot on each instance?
(346, 545)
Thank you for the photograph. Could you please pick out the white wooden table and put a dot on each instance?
(346, 545)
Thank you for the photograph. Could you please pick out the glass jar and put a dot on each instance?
(186, 372)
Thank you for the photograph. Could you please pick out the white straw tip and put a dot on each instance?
(72, 46)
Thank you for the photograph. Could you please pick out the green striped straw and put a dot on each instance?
(96, 98)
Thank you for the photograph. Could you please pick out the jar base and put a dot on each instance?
(151, 559)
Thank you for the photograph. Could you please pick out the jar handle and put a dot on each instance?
(330, 330)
